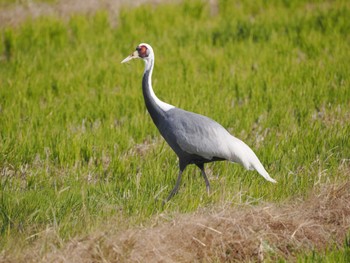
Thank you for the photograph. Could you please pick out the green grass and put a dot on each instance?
(337, 254)
(275, 74)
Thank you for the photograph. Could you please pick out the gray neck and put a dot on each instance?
(151, 101)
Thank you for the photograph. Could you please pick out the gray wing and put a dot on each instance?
(197, 134)
(200, 135)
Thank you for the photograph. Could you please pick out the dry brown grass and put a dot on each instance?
(244, 233)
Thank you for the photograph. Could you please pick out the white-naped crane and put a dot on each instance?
(196, 139)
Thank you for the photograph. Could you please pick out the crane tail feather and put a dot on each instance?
(241, 153)
(261, 170)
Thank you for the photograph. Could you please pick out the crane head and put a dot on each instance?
(142, 51)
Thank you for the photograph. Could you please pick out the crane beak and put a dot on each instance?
(132, 56)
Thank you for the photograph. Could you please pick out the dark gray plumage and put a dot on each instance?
(196, 139)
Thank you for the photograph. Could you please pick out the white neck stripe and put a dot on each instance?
(149, 66)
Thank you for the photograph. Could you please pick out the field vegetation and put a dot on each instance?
(79, 154)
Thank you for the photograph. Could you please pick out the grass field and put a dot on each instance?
(78, 151)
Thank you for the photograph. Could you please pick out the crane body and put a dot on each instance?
(196, 139)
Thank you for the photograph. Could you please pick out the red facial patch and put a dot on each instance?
(142, 51)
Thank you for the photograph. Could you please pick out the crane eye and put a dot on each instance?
(143, 51)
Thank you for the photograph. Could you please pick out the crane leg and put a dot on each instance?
(207, 184)
(178, 181)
